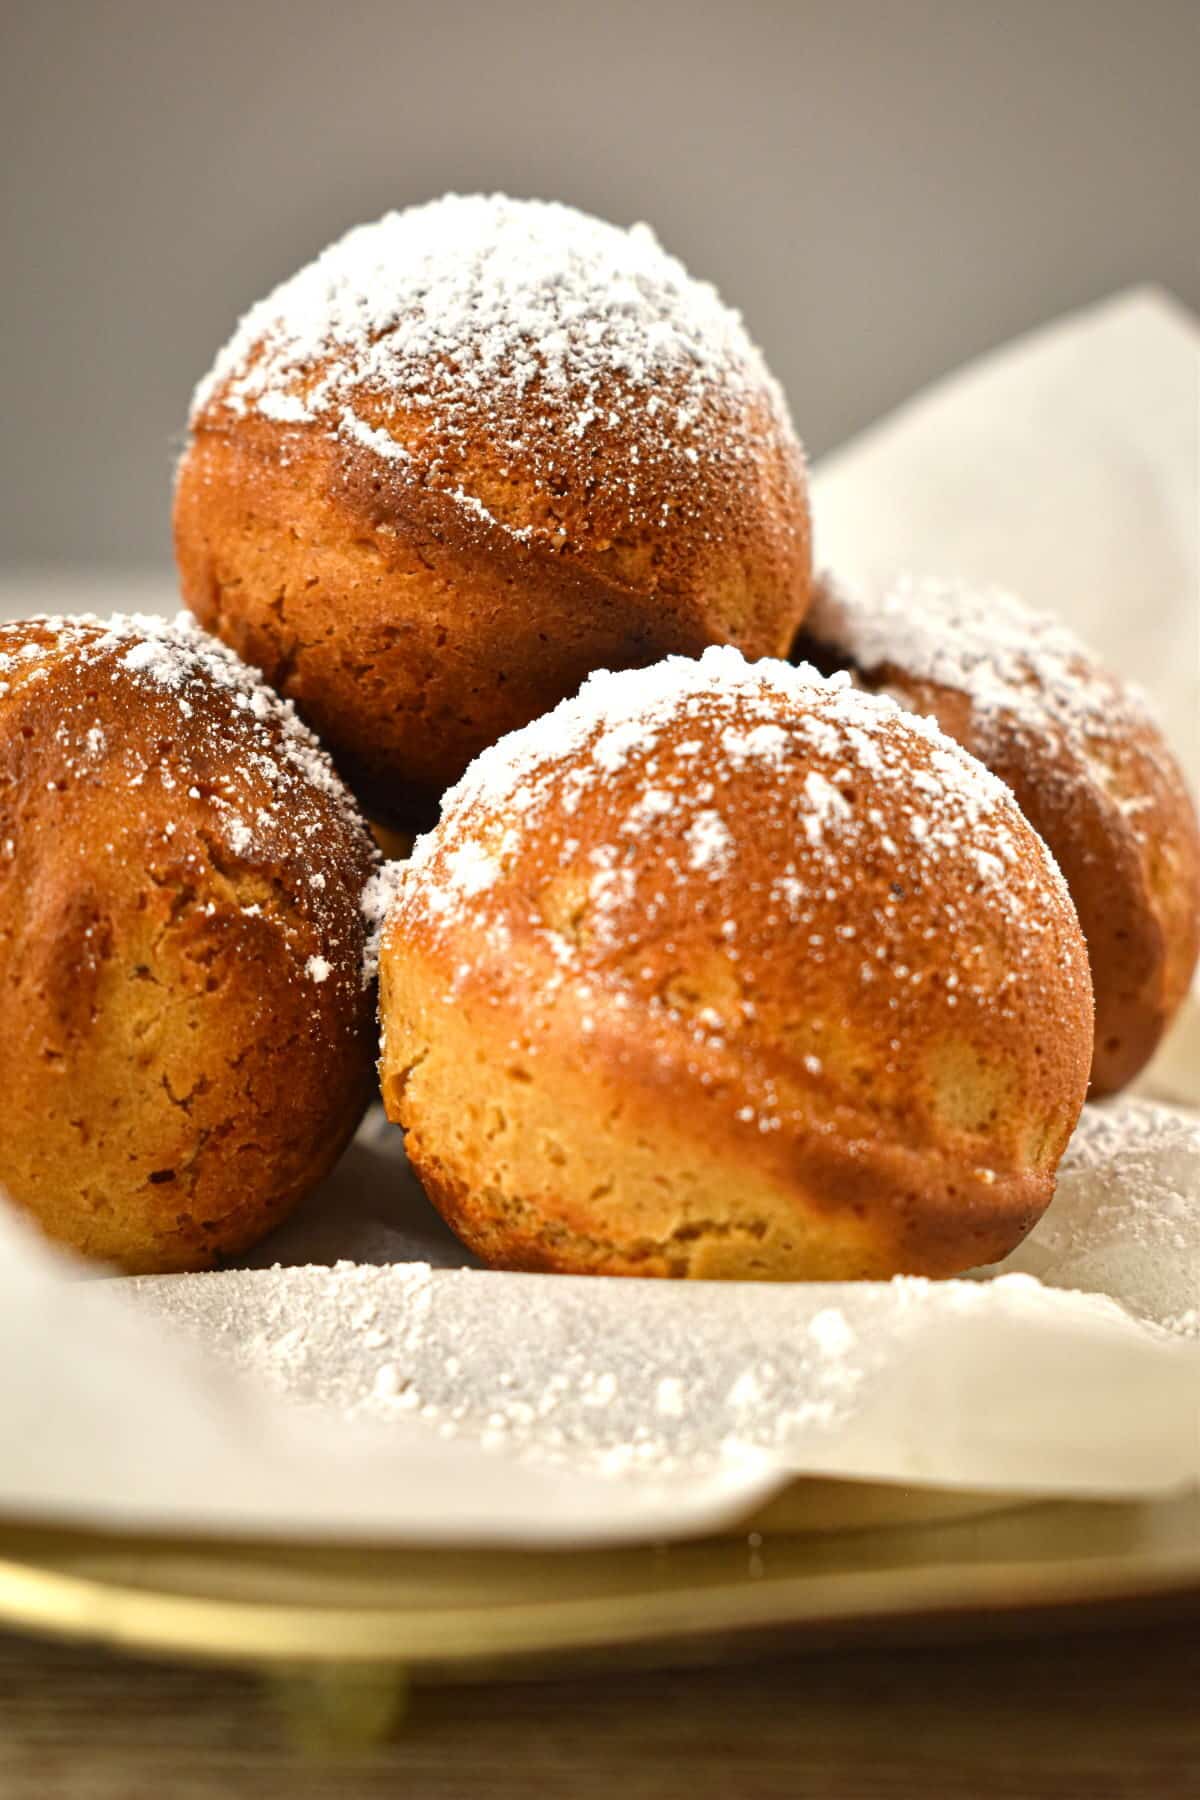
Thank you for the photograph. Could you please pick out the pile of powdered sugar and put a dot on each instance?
(658, 1379)
(525, 325)
(552, 1369)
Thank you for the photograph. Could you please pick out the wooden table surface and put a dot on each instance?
(1112, 1713)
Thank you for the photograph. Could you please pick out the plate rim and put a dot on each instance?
(51, 1597)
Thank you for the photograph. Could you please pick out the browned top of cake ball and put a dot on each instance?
(534, 374)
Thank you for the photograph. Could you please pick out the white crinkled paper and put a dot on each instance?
(389, 1389)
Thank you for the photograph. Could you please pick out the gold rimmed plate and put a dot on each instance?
(828, 1559)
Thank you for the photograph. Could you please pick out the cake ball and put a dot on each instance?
(726, 969)
(473, 451)
(1085, 759)
(188, 1039)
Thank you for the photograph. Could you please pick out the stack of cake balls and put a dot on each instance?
(765, 930)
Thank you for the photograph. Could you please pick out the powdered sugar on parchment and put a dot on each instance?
(662, 1380)
(656, 1381)
(1126, 1214)
(553, 1371)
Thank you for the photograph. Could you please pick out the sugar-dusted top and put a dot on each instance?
(175, 656)
(767, 880)
(215, 745)
(547, 323)
(1013, 663)
(763, 792)
(768, 706)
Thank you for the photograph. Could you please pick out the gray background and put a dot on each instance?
(884, 189)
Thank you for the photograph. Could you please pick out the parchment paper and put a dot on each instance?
(399, 1393)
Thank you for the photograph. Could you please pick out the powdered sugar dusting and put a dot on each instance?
(524, 320)
(783, 817)
(826, 807)
(558, 1373)
(709, 841)
(617, 718)
(470, 869)
(178, 655)
(652, 1381)
(378, 899)
(270, 797)
(1126, 1216)
(1020, 669)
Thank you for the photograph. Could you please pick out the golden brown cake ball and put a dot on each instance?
(187, 1038)
(474, 451)
(723, 969)
(1089, 767)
